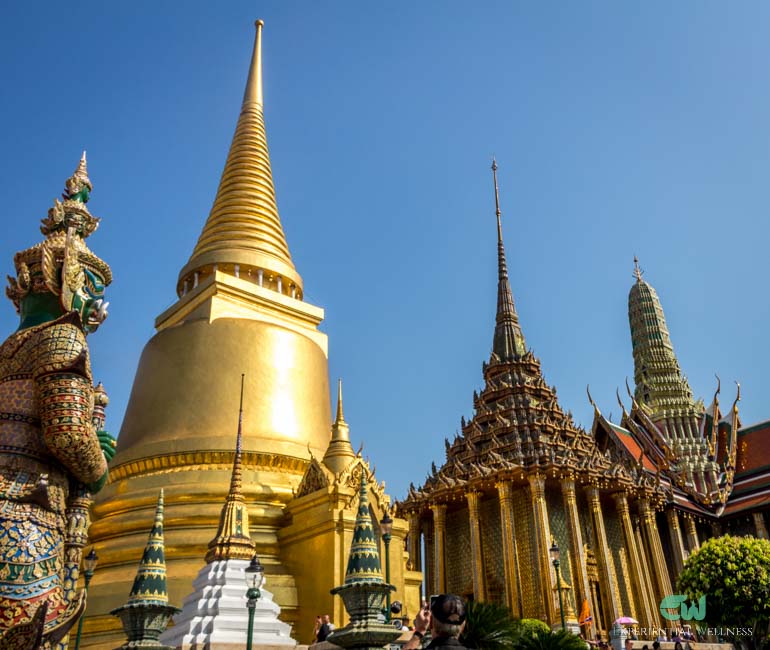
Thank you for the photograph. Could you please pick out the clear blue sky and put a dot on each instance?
(620, 128)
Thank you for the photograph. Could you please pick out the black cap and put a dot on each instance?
(448, 609)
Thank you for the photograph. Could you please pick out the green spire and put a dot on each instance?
(364, 558)
(150, 582)
(659, 382)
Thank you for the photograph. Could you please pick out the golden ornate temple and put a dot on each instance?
(626, 502)
(239, 310)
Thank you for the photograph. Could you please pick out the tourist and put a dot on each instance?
(629, 644)
(318, 623)
(678, 646)
(325, 630)
(446, 620)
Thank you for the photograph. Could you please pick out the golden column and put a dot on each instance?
(430, 556)
(759, 524)
(603, 552)
(439, 545)
(477, 552)
(414, 541)
(649, 585)
(578, 559)
(654, 549)
(677, 543)
(692, 533)
(644, 598)
(512, 585)
(542, 539)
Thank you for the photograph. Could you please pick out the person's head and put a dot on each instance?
(447, 616)
(327, 618)
(598, 637)
(645, 647)
(629, 644)
(318, 619)
(678, 646)
(656, 645)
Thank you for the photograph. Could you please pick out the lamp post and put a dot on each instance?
(89, 566)
(554, 550)
(255, 573)
(386, 526)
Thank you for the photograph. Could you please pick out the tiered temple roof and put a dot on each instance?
(518, 424)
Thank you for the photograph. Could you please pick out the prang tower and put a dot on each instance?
(239, 310)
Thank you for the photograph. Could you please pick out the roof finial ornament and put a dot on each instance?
(638, 273)
(497, 201)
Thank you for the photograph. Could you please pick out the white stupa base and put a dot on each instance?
(215, 616)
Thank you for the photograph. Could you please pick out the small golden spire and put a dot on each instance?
(637, 271)
(339, 454)
(340, 419)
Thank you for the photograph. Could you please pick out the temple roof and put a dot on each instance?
(243, 227)
(339, 454)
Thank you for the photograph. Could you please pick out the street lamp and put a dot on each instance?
(255, 573)
(89, 566)
(386, 526)
(554, 550)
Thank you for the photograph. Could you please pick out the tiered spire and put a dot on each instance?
(508, 342)
(364, 558)
(657, 375)
(339, 454)
(150, 583)
(233, 539)
(243, 235)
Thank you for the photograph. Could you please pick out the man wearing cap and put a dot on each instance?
(446, 619)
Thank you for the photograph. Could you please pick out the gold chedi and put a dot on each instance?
(239, 310)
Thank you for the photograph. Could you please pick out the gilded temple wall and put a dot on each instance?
(560, 532)
(458, 559)
(619, 558)
(492, 543)
(524, 522)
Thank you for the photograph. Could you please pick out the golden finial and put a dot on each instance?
(340, 419)
(637, 271)
(253, 92)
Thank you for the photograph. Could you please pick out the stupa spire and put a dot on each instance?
(339, 454)
(233, 539)
(508, 342)
(659, 382)
(150, 581)
(364, 558)
(243, 235)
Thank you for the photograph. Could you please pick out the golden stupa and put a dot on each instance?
(239, 310)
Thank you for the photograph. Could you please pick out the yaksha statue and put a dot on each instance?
(53, 452)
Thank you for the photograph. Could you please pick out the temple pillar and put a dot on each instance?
(647, 580)
(658, 566)
(430, 557)
(542, 541)
(643, 595)
(577, 553)
(510, 560)
(692, 533)
(414, 541)
(603, 553)
(439, 545)
(477, 552)
(759, 525)
(677, 543)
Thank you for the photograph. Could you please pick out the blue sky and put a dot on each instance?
(619, 129)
